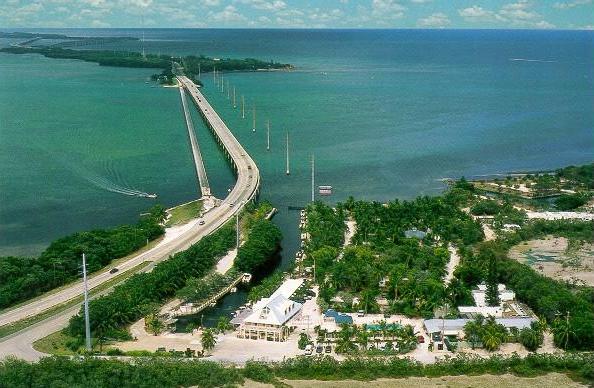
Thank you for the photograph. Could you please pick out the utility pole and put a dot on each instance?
(288, 171)
(313, 191)
(267, 135)
(86, 293)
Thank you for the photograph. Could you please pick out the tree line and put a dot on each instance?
(54, 372)
(24, 278)
(183, 274)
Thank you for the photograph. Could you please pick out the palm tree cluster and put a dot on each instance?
(486, 331)
(353, 338)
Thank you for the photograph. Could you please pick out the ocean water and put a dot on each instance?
(387, 114)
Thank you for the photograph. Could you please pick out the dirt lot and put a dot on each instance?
(552, 380)
(555, 258)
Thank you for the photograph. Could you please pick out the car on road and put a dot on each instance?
(201, 222)
(231, 205)
(308, 349)
(113, 270)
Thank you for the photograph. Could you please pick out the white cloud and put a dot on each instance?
(387, 9)
(518, 14)
(229, 14)
(435, 20)
(99, 24)
(479, 14)
(274, 5)
(571, 4)
(210, 3)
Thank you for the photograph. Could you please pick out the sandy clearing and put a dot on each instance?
(551, 380)
(553, 260)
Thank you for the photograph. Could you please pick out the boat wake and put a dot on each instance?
(531, 60)
(107, 184)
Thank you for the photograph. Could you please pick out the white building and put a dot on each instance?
(268, 317)
(455, 327)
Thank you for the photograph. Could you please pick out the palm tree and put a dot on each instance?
(344, 343)
(363, 339)
(530, 338)
(224, 325)
(493, 334)
(473, 331)
(208, 339)
(562, 331)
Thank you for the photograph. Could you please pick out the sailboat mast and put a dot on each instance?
(222, 84)
(267, 135)
(254, 118)
(242, 107)
(313, 166)
(214, 75)
(228, 91)
(199, 71)
(234, 103)
(288, 171)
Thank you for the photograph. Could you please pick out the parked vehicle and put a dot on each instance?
(320, 349)
(328, 349)
(421, 339)
(309, 350)
(113, 270)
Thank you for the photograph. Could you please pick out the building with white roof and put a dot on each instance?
(268, 317)
(455, 327)
(480, 295)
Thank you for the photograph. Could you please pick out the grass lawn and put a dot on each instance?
(183, 213)
(54, 343)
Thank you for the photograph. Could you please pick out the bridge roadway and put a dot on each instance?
(198, 162)
(246, 188)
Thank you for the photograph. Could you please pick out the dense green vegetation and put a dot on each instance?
(583, 175)
(572, 201)
(24, 278)
(142, 293)
(263, 241)
(266, 287)
(569, 311)
(193, 65)
(383, 263)
(102, 57)
(186, 275)
(169, 372)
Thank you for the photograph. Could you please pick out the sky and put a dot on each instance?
(534, 14)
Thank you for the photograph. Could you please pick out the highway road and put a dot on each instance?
(245, 189)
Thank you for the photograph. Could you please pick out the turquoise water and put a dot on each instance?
(387, 114)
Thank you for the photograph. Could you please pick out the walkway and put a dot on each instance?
(452, 264)
(198, 162)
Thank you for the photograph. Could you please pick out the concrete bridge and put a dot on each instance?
(198, 162)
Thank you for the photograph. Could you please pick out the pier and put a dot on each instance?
(198, 162)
